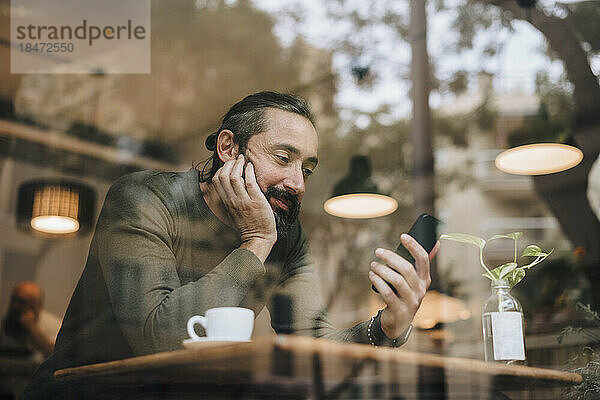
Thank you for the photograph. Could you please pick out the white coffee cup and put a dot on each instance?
(223, 323)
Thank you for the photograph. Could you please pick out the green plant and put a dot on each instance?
(511, 271)
(590, 386)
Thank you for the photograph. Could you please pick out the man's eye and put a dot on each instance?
(284, 159)
(307, 172)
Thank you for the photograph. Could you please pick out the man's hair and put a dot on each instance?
(247, 118)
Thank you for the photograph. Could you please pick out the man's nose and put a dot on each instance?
(295, 182)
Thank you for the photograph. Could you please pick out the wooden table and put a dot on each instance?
(300, 367)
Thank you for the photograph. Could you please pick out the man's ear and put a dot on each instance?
(226, 148)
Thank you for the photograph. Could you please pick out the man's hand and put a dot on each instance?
(27, 319)
(248, 209)
(410, 282)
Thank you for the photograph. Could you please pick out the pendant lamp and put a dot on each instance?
(356, 195)
(55, 207)
(538, 159)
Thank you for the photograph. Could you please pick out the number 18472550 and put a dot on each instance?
(47, 47)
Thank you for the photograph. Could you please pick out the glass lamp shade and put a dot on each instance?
(538, 159)
(356, 195)
(55, 207)
(54, 224)
(360, 205)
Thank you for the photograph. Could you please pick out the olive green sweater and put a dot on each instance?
(158, 256)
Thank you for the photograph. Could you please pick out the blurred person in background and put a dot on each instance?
(27, 337)
(27, 329)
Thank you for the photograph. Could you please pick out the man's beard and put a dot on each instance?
(284, 219)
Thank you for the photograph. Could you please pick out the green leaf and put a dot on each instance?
(513, 236)
(495, 274)
(540, 257)
(533, 251)
(509, 271)
(569, 330)
(590, 315)
(515, 276)
(464, 238)
(506, 269)
(503, 270)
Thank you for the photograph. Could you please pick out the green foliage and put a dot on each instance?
(556, 99)
(504, 270)
(553, 290)
(553, 120)
(198, 67)
(472, 17)
(590, 372)
(485, 116)
(589, 389)
(511, 271)
(459, 82)
(535, 130)
(452, 127)
(583, 19)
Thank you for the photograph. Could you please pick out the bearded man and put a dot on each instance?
(168, 246)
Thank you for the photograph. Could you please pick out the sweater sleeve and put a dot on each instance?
(134, 247)
(301, 289)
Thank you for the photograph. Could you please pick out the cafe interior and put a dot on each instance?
(482, 113)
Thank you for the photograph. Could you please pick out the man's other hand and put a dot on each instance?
(27, 318)
(410, 282)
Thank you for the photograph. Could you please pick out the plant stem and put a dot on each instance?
(483, 265)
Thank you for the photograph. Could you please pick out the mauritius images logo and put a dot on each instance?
(80, 36)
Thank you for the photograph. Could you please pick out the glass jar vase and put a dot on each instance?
(503, 333)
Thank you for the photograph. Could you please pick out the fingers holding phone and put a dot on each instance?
(400, 285)
(421, 236)
(392, 268)
(419, 255)
(403, 277)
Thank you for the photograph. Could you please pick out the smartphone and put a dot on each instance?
(424, 231)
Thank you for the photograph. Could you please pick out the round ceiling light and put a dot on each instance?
(55, 207)
(54, 224)
(538, 159)
(360, 205)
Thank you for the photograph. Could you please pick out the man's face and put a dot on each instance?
(284, 156)
(25, 298)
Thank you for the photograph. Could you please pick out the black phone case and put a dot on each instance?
(424, 231)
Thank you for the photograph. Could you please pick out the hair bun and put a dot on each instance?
(211, 141)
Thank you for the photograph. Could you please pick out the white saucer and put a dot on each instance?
(192, 343)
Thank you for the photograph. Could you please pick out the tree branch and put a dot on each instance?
(565, 43)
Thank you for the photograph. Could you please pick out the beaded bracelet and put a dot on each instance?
(395, 342)
(369, 330)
